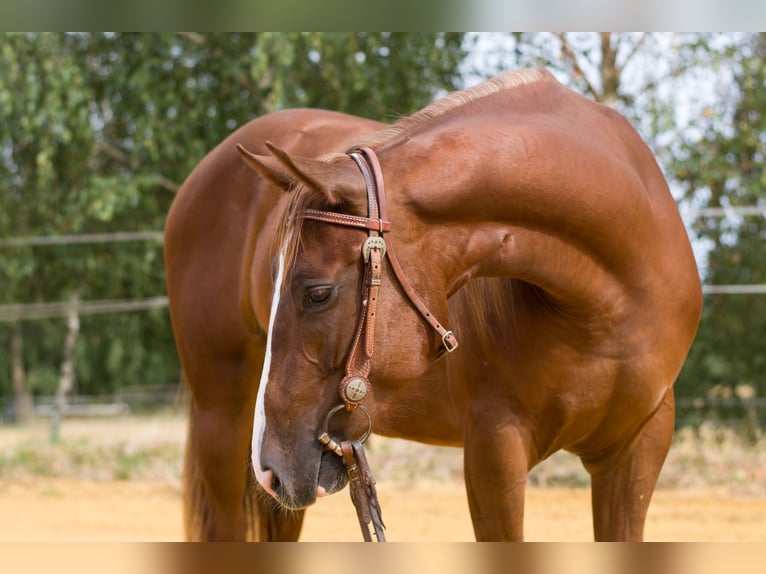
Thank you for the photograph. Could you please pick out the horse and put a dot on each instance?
(504, 271)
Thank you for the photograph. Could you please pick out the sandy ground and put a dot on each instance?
(433, 509)
(70, 510)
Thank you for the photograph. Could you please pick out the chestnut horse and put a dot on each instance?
(534, 223)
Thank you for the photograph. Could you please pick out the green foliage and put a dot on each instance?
(46, 137)
(97, 132)
(726, 167)
(646, 76)
(367, 74)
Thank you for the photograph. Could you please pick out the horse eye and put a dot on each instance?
(317, 295)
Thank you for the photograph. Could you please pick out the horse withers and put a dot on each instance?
(518, 218)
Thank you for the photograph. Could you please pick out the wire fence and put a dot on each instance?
(36, 311)
(80, 239)
(136, 400)
(57, 309)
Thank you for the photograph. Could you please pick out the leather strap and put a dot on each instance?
(449, 341)
(377, 223)
(347, 220)
(448, 337)
(364, 496)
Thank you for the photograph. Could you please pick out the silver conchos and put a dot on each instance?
(371, 243)
(354, 389)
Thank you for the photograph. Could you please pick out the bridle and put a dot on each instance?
(355, 385)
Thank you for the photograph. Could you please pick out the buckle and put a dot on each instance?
(450, 341)
(373, 242)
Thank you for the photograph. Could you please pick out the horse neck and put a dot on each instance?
(560, 214)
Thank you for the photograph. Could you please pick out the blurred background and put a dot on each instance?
(99, 130)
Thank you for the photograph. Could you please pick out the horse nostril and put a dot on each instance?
(276, 484)
(271, 483)
(265, 477)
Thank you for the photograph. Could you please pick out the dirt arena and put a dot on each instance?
(420, 503)
(73, 510)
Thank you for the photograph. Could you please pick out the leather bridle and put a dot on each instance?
(355, 385)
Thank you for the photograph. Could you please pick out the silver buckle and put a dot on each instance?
(447, 344)
(371, 243)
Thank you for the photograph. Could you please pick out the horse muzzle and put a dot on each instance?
(302, 487)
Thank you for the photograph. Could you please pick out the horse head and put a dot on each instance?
(339, 313)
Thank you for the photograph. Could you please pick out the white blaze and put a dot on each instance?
(259, 420)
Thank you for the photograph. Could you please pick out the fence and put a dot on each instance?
(135, 400)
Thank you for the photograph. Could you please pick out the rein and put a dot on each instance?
(355, 385)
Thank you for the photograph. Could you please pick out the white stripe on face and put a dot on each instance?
(259, 420)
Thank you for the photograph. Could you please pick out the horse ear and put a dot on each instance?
(329, 179)
(269, 167)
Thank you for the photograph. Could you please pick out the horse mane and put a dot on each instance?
(288, 236)
(480, 302)
(452, 101)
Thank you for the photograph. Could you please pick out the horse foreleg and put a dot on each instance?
(496, 464)
(621, 491)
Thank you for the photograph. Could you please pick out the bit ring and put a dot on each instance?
(328, 442)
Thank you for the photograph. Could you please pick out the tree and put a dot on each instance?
(100, 130)
(651, 78)
(45, 150)
(724, 168)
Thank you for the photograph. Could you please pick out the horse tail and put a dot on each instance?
(195, 507)
(249, 502)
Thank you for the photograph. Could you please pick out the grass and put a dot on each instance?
(124, 448)
(86, 459)
(151, 448)
(717, 456)
(710, 455)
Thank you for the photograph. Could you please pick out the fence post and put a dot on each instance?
(24, 405)
(66, 380)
